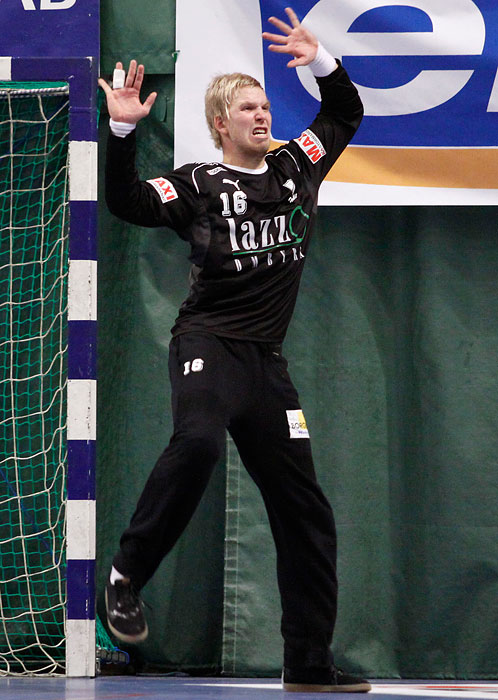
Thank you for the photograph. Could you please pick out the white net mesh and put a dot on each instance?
(33, 377)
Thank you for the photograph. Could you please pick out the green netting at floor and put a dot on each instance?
(33, 304)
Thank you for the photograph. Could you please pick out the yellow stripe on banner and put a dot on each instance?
(473, 168)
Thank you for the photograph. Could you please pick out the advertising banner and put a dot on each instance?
(49, 28)
(426, 71)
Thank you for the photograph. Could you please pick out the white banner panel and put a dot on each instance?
(426, 71)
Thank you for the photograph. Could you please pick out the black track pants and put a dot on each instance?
(220, 384)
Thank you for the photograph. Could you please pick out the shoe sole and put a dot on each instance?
(130, 639)
(316, 688)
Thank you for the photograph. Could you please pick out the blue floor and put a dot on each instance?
(168, 688)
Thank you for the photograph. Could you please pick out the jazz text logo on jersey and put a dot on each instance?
(279, 232)
(311, 145)
(164, 188)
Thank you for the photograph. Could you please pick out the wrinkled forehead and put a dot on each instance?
(249, 94)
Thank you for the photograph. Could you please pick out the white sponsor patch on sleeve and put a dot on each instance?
(311, 145)
(164, 188)
(297, 424)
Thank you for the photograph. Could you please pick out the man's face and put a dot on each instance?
(248, 127)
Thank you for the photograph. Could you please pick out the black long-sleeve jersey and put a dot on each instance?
(248, 230)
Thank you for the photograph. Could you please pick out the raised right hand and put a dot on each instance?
(124, 104)
(295, 39)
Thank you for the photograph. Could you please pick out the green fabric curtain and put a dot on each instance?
(393, 349)
(142, 30)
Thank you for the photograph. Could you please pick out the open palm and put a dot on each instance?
(124, 104)
(295, 40)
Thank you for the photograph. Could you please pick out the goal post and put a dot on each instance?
(78, 375)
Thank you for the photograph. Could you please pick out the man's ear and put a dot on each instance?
(220, 125)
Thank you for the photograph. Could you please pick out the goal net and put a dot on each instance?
(34, 208)
(33, 310)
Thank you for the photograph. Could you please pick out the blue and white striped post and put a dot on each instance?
(80, 74)
(82, 381)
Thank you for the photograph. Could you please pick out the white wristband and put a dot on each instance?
(323, 64)
(121, 129)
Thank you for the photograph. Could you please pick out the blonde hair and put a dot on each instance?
(219, 95)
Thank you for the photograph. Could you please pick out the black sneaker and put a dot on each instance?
(125, 612)
(317, 680)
